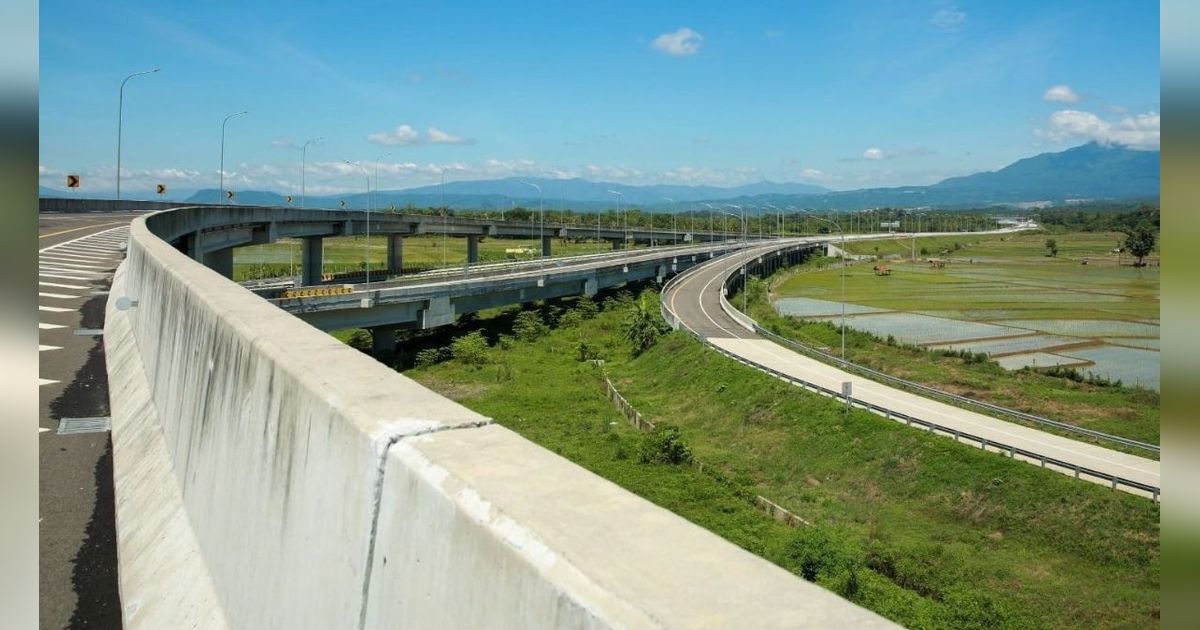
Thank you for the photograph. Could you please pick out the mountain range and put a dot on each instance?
(1086, 172)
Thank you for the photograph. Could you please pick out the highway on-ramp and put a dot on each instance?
(696, 300)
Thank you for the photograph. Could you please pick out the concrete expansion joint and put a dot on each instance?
(384, 443)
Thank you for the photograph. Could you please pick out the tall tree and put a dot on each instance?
(1140, 242)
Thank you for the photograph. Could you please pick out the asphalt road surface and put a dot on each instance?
(696, 301)
(78, 559)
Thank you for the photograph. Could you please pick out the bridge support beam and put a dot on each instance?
(472, 249)
(395, 253)
(220, 261)
(311, 261)
(383, 341)
(546, 245)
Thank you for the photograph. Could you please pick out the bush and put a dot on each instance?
(587, 308)
(470, 349)
(505, 342)
(529, 326)
(642, 328)
(819, 553)
(360, 340)
(430, 356)
(584, 352)
(570, 319)
(665, 446)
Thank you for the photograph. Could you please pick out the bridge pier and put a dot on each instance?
(311, 261)
(473, 249)
(546, 245)
(618, 244)
(220, 261)
(395, 253)
(383, 341)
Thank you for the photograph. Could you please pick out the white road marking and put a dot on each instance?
(69, 263)
(54, 309)
(63, 286)
(43, 348)
(45, 381)
(42, 326)
(61, 296)
(64, 255)
(46, 274)
(42, 430)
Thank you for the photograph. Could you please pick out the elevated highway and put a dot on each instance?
(267, 475)
(695, 301)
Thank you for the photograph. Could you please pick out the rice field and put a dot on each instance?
(1002, 296)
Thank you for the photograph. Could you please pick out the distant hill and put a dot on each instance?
(1091, 171)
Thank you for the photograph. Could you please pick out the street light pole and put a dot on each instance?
(120, 121)
(843, 257)
(624, 221)
(674, 232)
(367, 246)
(541, 219)
(223, 123)
(745, 278)
(304, 170)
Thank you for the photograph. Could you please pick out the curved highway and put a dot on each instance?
(696, 301)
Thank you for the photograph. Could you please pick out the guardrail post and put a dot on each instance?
(1155, 494)
(956, 435)
(1012, 452)
(1076, 472)
(1114, 483)
(1043, 461)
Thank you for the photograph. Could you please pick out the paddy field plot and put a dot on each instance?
(1001, 296)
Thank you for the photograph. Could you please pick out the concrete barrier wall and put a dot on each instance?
(307, 485)
(56, 204)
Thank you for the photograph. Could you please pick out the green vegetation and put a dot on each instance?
(927, 532)
(1010, 278)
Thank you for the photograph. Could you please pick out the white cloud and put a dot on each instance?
(685, 41)
(437, 136)
(873, 154)
(1061, 94)
(406, 135)
(402, 134)
(1135, 132)
(815, 175)
(949, 19)
(283, 143)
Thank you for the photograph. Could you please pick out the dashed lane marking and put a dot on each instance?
(42, 348)
(54, 309)
(46, 381)
(44, 326)
(60, 296)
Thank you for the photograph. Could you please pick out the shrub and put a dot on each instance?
(529, 326)
(584, 352)
(665, 446)
(642, 328)
(587, 308)
(430, 356)
(360, 340)
(570, 319)
(470, 349)
(818, 553)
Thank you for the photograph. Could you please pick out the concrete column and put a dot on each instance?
(395, 253)
(546, 245)
(472, 249)
(618, 244)
(311, 261)
(383, 341)
(192, 246)
(220, 261)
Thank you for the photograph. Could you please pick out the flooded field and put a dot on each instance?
(1004, 298)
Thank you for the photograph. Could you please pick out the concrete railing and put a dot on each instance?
(267, 475)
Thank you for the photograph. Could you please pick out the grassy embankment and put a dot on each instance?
(1011, 279)
(927, 532)
(282, 258)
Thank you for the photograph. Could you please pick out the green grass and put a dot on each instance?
(937, 534)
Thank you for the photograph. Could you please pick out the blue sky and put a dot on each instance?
(845, 94)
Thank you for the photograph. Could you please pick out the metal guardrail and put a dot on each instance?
(984, 443)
